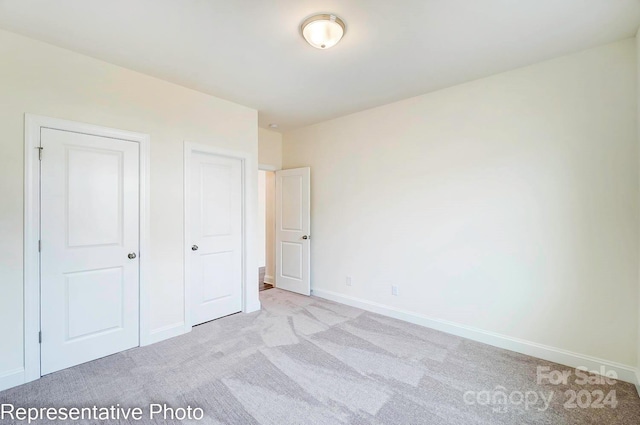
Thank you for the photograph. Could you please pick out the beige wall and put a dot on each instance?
(270, 222)
(270, 148)
(40, 79)
(267, 223)
(637, 40)
(262, 218)
(507, 204)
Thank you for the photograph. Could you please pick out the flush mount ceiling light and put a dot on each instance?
(323, 31)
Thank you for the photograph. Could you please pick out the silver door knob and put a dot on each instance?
(194, 248)
(132, 255)
(305, 237)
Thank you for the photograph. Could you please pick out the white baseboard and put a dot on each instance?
(557, 355)
(11, 378)
(16, 377)
(268, 279)
(166, 332)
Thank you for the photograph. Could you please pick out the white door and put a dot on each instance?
(216, 235)
(89, 230)
(293, 224)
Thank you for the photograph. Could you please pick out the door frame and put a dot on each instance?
(271, 169)
(249, 207)
(32, 129)
(265, 167)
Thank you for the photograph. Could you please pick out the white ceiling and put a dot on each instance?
(251, 52)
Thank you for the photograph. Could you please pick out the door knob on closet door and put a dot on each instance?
(132, 255)
(305, 237)
(194, 248)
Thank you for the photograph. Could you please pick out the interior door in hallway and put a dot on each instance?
(216, 235)
(293, 224)
(89, 282)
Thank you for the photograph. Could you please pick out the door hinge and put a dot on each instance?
(40, 149)
(40, 337)
(39, 246)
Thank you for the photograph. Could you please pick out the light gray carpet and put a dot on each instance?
(304, 360)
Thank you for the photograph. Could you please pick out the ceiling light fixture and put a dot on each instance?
(323, 31)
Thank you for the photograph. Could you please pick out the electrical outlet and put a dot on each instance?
(348, 281)
(394, 290)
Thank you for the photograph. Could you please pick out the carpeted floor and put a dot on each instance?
(304, 360)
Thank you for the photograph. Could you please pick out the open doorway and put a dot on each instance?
(266, 229)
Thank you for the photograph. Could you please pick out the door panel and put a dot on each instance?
(292, 207)
(219, 264)
(293, 224)
(94, 179)
(216, 234)
(216, 191)
(89, 225)
(87, 289)
(292, 259)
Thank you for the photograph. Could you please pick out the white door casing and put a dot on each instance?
(89, 230)
(293, 224)
(34, 126)
(216, 236)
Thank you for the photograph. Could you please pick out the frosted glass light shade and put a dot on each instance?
(323, 31)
